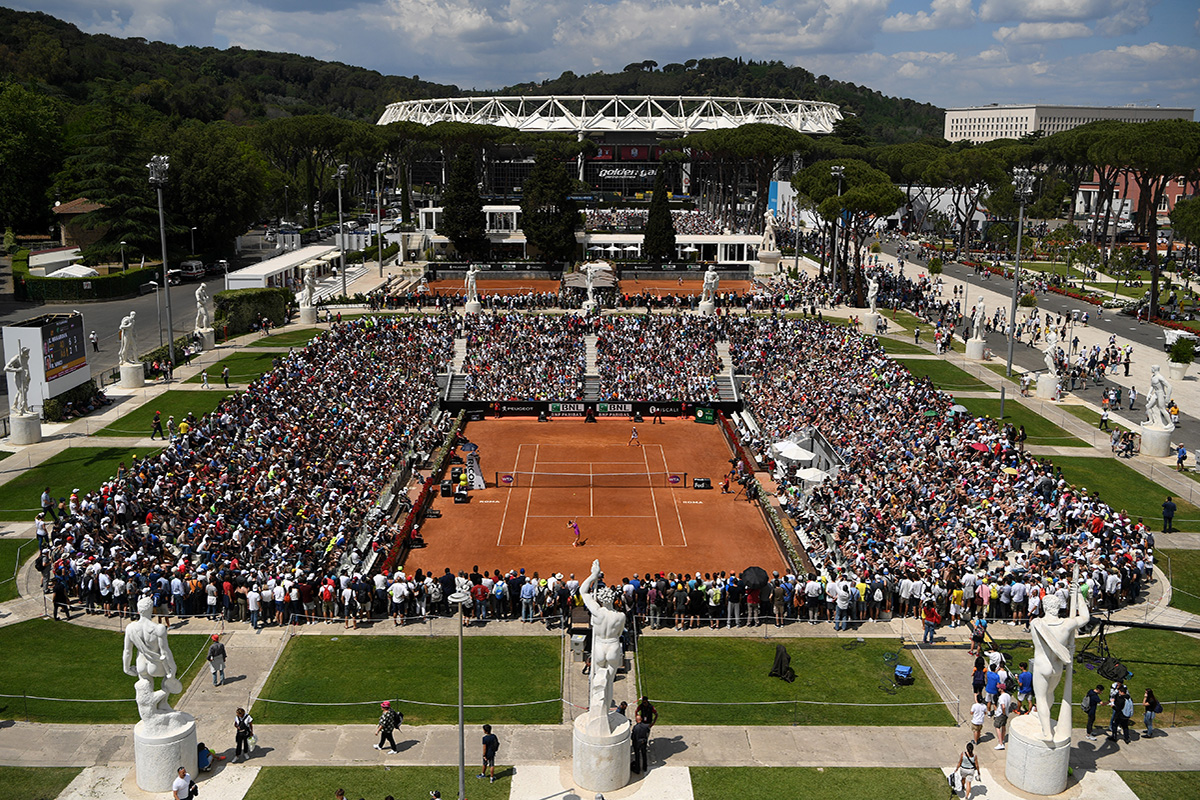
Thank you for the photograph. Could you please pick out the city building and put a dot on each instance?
(979, 124)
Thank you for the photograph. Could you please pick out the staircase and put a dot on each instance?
(590, 343)
(458, 385)
(591, 387)
(460, 354)
(725, 389)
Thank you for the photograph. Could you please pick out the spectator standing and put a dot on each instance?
(181, 787)
(979, 712)
(1090, 703)
(243, 729)
(1000, 715)
(389, 720)
(491, 745)
(1150, 706)
(641, 746)
(216, 660)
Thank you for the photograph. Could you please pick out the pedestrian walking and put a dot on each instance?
(1104, 419)
(1132, 396)
(225, 375)
(967, 768)
(641, 746)
(216, 660)
(491, 745)
(157, 428)
(204, 379)
(389, 721)
(95, 342)
(243, 729)
(183, 787)
(1000, 715)
(1150, 707)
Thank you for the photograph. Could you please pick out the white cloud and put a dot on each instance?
(942, 14)
(1028, 32)
(1122, 13)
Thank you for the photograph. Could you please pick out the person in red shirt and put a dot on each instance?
(479, 598)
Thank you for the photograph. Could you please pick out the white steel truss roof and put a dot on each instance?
(615, 113)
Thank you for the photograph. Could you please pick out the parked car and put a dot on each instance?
(218, 267)
(1172, 336)
(192, 270)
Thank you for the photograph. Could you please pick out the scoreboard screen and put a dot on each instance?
(64, 349)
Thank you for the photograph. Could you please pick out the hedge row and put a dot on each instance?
(72, 290)
(241, 310)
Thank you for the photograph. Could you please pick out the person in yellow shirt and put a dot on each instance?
(956, 605)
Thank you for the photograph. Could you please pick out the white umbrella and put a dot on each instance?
(631, 247)
(690, 249)
(792, 451)
(612, 248)
(812, 474)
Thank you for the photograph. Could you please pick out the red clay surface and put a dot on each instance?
(661, 288)
(644, 526)
(514, 286)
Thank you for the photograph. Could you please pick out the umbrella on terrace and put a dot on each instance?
(755, 577)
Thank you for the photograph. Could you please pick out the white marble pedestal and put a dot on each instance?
(975, 349)
(474, 307)
(870, 323)
(133, 376)
(707, 308)
(208, 338)
(768, 263)
(1047, 385)
(308, 315)
(158, 759)
(1032, 764)
(601, 760)
(24, 429)
(1156, 442)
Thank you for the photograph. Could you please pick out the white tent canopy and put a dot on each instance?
(812, 474)
(791, 451)
(74, 271)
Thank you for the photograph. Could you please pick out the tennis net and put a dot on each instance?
(594, 480)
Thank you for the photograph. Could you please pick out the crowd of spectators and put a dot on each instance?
(686, 222)
(655, 357)
(524, 357)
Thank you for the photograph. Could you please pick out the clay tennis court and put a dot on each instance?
(635, 509)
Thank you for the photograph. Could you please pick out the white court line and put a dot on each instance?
(674, 495)
(529, 497)
(598, 516)
(504, 516)
(606, 461)
(653, 501)
(591, 490)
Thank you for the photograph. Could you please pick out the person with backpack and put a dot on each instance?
(243, 728)
(1122, 713)
(1151, 706)
(1089, 704)
(389, 721)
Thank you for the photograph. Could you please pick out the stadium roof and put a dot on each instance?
(583, 114)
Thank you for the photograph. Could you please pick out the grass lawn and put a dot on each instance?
(1162, 785)
(35, 783)
(496, 670)
(244, 367)
(719, 670)
(319, 783)
(901, 347)
(1122, 488)
(292, 338)
(910, 321)
(1185, 577)
(1090, 416)
(1002, 371)
(944, 375)
(860, 783)
(5, 454)
(8, 564)
(1040, 430)
(94, 673)
(175, 403)
(82, 467)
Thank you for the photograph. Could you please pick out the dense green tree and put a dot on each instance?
(30, 150)
(305, 150)
(1185, 220)
(967, 175)
(221, 182)
(463, 221)
(659, 243)
(549, 216)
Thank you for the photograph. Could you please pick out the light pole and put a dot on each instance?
(836, 172)
(379, 168)
(193, 235)
(342, 171)
(158, 308)
(158, 167)
(457, 600)
(1023, 187)
(285, 201)
(124, 266)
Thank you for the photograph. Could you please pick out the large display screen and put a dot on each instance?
(63, 347)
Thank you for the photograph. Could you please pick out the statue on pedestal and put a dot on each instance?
(589, 272)
(1051, 361)
(607, 654)
(127, 354)
(979, 320)
(18, 365)
(1054, 652)
(472, 293)
(1157, 401)
(769, 240)
(154, 660)
(711, 283)
(203, 308)
(308, 288)
(872, 292)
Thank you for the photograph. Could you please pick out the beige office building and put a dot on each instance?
(985, 123)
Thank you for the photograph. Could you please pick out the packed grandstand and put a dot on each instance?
(265, 505)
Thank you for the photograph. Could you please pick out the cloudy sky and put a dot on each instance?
(947, 52)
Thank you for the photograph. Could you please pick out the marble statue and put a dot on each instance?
(872, 293)
(154, 660)
(308, 288)
(18, 365)
(1051, 361)
(769, 240)
(1053, 654)
(607, 653)
(128, 351)
(472, 293)
(203, 308)
(590, 274)
(979, 320)
(1157, 400)
(711, 283)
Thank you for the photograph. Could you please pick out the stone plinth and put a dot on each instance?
(133, 376)
(708, 308)
(1032, 764)
(768, 262)
(1156, 442)
(24, 429)
(601, 759)
(975, 349)
(870, 323)
(308, 315)
(1047, 386)
(474, 307)
(208, 338)
(158, 758)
